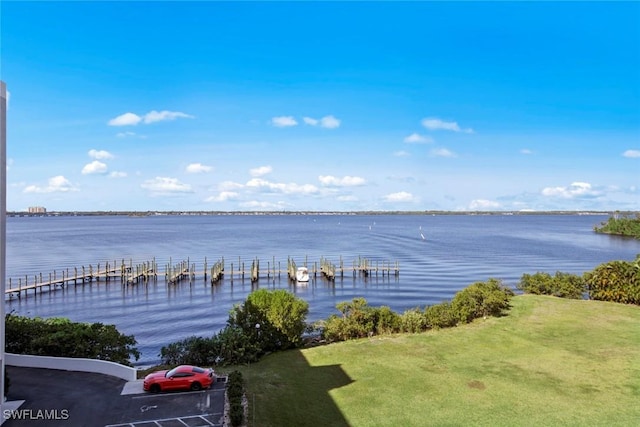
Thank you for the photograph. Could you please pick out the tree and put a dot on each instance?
(62, 338)
(277, 319)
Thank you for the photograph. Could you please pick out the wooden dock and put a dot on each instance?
(128, 274)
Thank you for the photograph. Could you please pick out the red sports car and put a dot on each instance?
(183, 377)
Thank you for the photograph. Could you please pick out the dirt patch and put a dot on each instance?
(478, 385)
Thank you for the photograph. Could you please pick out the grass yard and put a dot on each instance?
(549, 362)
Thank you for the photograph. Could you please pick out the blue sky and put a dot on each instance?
(322, 106)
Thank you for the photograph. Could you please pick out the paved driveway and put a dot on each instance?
(55, 398)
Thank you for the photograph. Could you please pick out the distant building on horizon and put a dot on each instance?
(37, 209)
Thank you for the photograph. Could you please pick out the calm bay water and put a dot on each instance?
(457, 250)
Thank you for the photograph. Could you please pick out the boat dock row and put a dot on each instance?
(129, 274)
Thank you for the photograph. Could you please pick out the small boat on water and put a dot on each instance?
(302, 274)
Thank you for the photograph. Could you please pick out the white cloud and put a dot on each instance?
(164, 115)
(95, 167)
(347, 198)
(347, 181)
(116, 174)
(632, 154)
(433, 123)
(126, 119)
(254, 204)
(132, 119)
(416, 138)
(283, 121)
(56, 184)
(100, 154)
(575, 190)
(164, 185)
(401, 196)
(329, 122)
(198, 168)
(526, 151)
(442, 152)
(229, 186)
(223, 196)
(125, 134)
(290, 188)
(401, 153)
(483, 205)
(261, 171)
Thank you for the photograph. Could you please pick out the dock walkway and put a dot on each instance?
(129, 274)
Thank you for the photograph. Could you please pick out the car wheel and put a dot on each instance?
(195, 386)
(155, 388)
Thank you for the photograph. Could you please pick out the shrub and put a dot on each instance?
(267, 321)
(387, 321)
(276, 319)
(60, 337)
(481, 299)
(616, 281)
(235, 391)
(413, 321)
(191, 351)
(440, 316)
(358, 320)
(563, 285)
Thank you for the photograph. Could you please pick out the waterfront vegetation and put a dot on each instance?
(551, 361)
(621, 225)
(486, 357)
(270, 321)
(61, 337)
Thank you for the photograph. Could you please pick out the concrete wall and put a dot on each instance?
(72, 364)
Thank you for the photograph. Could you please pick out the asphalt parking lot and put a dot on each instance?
(66, 398)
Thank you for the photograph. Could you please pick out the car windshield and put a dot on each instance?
(198, 370)
(171, 373)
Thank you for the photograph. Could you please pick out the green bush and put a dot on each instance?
(563, 285)
(277, 318)
(60, 337)
(191, 351)
(440, 316)
(387, 321)
(235, 391)
(481, 299)
(267, 321)
(616, 281)
(413, 321)
(358, 320)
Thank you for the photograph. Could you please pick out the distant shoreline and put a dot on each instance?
(281, 213)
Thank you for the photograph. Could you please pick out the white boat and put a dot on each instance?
(302, 274)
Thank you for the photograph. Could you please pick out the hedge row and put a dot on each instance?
(359, 320)
(615, 281)
(235, 392)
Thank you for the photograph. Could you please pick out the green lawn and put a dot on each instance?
(549, 362)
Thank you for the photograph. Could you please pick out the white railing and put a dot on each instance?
(72, 364)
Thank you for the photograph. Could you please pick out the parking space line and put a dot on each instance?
(173, 394)
(159, 421)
